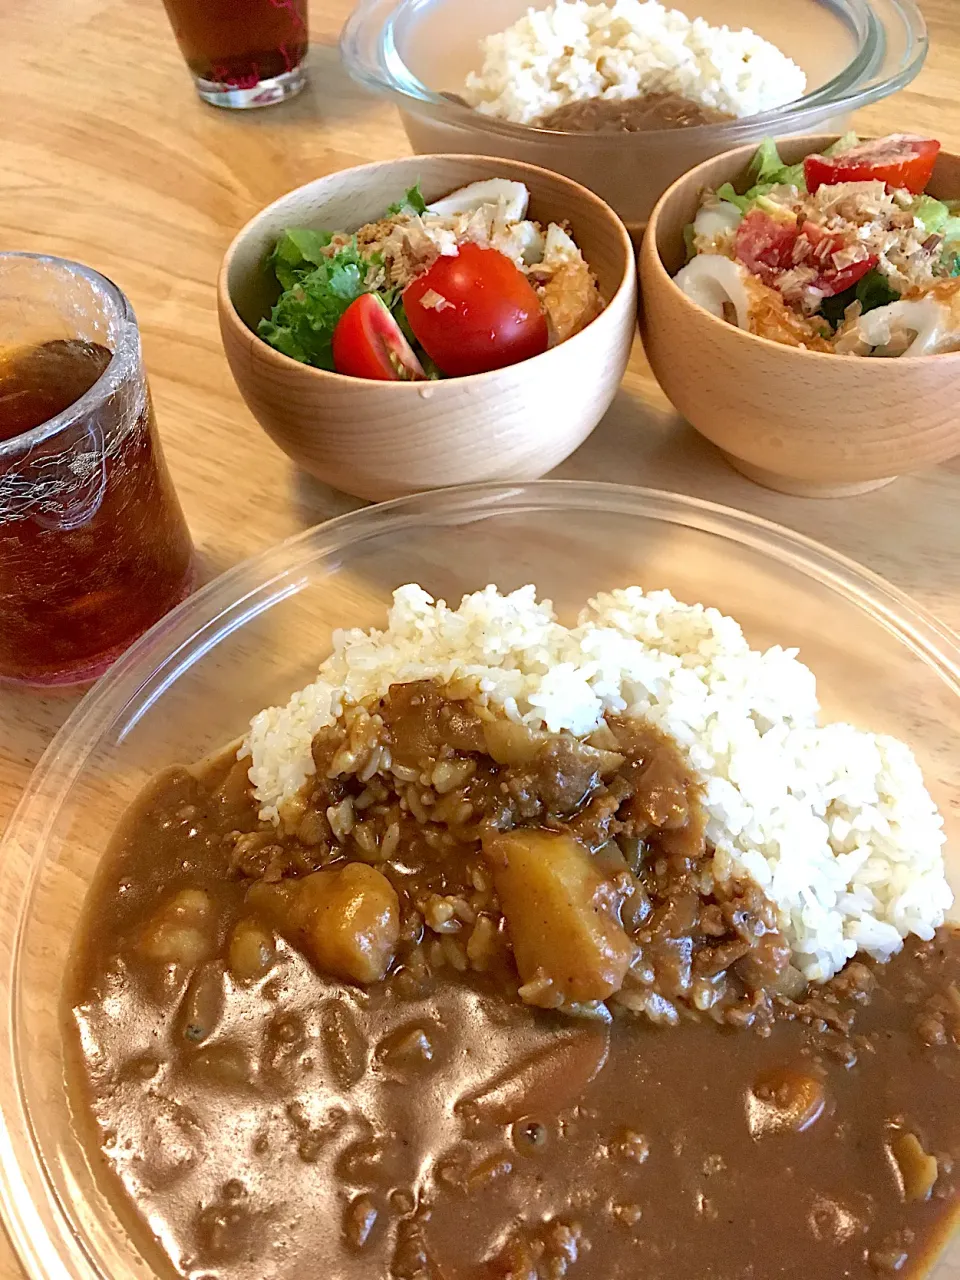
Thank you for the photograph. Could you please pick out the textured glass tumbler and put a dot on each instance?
(94, 548)
(242, 53)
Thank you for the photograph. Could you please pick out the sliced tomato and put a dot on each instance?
(368, 343)
(899, 160)
(475, 311)
(816, 247)
(769, 246)
(821, 241)
(764, 244)
(842, 278)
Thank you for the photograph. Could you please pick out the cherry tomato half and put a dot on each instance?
(900, 160)
(817, 248)
(368, 343)
(475, 312)
(764, 244)
(769, 246)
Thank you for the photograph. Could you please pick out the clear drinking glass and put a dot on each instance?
(93, 544)
(242, 53)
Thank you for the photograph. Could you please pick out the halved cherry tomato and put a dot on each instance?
(769, 246)
(368, 343)
(764, 244)
(475, 312)
(900, 160)
(832, 283)
(816, 247)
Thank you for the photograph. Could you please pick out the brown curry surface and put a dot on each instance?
(644, 1091)
(630, 115)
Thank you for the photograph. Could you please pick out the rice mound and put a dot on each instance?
(572, 51)
(834, 823)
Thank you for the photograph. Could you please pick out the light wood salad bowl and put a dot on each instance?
(379, 440)
(803, 422)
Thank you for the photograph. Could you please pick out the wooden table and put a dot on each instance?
(108, 157)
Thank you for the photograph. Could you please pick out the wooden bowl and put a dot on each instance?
(802, 422)
(382, 439)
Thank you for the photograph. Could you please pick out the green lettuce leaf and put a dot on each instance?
(767, 171)
(400, 316)
(727, 192)
(934, 214)
(412, 202)
(766, 163)
(950, 253)
(837, 148)
(874, 290)
(297, 253)
(871, 291)
(301, 324)
(792, 175)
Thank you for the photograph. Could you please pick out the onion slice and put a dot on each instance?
(711, 280)
(512, 197)
(926, 318)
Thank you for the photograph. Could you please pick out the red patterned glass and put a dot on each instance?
(242, 53)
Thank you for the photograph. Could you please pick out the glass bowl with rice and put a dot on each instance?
(626, 97)
(804, 794)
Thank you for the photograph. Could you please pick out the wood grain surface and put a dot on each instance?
(108, 157)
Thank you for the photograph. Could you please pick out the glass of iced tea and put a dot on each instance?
(93, 545)
(243, 53)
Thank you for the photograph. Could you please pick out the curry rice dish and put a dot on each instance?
(484, 961)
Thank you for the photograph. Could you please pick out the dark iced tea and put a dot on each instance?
(242, 52)
(93, 544)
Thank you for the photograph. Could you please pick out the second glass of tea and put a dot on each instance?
(94, 548)
(242, 53)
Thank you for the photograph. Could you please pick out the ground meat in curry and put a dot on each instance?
(630, 115)
(641, 114)
(477, 1011)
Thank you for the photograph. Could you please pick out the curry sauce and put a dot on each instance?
(357, 1046)
(631, 115)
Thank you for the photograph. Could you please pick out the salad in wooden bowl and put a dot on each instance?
(760, 268)
(430, 321)
(844, 251)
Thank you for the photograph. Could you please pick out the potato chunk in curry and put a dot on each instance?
(347, 919)
(569, 944)
(350, 921)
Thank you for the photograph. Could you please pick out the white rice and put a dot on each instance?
(834, 823)
(569, 52)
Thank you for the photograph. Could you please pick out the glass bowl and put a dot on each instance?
(258, 632)
(417, 51)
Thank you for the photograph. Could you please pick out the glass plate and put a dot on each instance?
(259, 631)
